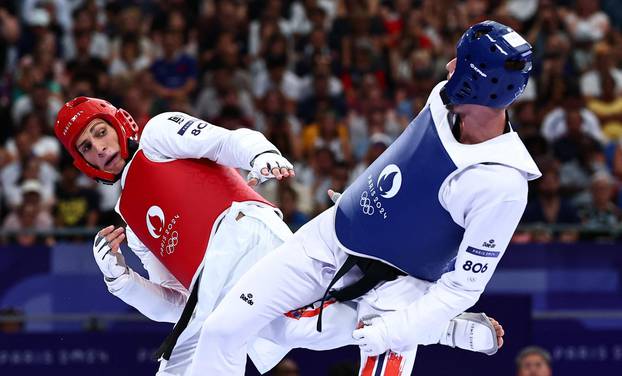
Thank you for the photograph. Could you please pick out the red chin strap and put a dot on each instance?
(72, 120)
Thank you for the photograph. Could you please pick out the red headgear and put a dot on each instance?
(73, 118)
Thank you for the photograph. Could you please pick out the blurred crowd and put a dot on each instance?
(330, 82)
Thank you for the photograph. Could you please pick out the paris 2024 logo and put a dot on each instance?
(159, 229)
(386, 186)
(155, 221)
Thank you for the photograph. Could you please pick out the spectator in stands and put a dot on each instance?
(608, 108)
(288, 203)
(327, 132)
(613, 154)
(566, 147)
(587, 25)
(317, 174)
(308, 15)
(547, 22)
(85, 64)
(556, 71)
(130, 22)
(82, 84)
(406, 106)
(30, 214)
(137, 102)
(378, 143)
(555, 123)
(281, 128)
(365, 61)
(361, 44)
(129, 62)
(26, 166)
(275, 45)
(45, 58)
(534, 361)
(368, 94)
(44, 147)
(576, 172)
(417, 69)
(9, 36)
(586, 22)
(278, 77)
(226, 19)
(175, 74)
(228, 54)
(221, 85)
(319, 100)
(75, 206)
(39, 100)
(604, 66)
(86, 39)
(321, 92)
(548, 206)
(231, 115)
(309, 48)
(602, 214)
(368, 115)
(525, 119)
(37, 23)
(338, 182)
(526, 122)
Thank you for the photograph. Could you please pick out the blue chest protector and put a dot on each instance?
(392, 212)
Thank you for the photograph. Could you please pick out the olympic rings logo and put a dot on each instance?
(172, 242)
(365, 203)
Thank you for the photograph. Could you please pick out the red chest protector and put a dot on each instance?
(172, 207)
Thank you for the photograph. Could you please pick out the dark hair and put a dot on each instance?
(276, 61)
(40, 119)
(531, 350)
(130, 39)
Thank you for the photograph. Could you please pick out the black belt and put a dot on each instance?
(166, 348)
(374, 272)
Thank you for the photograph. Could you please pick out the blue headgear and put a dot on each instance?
(492, 67)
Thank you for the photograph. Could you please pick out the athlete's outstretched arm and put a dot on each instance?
(175, 135)
(161, 297)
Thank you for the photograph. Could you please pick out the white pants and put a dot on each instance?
(294, 274)
(239, 243)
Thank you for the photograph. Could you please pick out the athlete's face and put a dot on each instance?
(99, 145)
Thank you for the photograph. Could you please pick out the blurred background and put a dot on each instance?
(332, 83)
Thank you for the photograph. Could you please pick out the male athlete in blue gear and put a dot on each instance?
(416, 238)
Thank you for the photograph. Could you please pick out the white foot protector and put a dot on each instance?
(473, 332)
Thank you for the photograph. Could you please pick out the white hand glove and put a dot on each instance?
(112, 264)
(372, 338)
(471, 331)
(274, 164)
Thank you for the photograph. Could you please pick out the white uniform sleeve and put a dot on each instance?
(488, 201)
(161, 298)
(176, 135)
